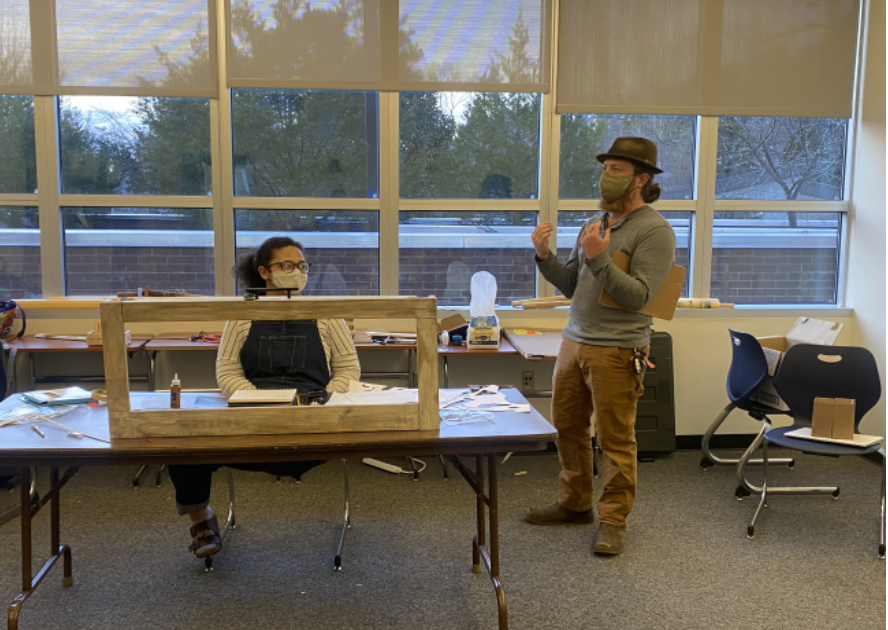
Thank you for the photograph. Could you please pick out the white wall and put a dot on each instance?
(866, 259)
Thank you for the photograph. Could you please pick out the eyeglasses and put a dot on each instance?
(288, 266)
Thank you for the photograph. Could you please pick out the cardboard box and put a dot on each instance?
(766, 394)
(805, 330)
(451, 323)
(94, 338)
(833, 418)
(484, 333)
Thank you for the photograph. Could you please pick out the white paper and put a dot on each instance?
(487, 399)
(378, 397)
(513, 407)
(445, 399)
(859, 440)
(358, 386)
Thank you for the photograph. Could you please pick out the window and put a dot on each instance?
(18, 160)
(342, 246)
(440, 251)
(109, 250)
(305, 143)
(570, 223)
(144, 146)
(585, 136)
(775, 257)
(781, 158)
(469, 145)
(761, 255)
(19, 253)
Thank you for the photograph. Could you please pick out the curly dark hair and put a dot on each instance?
(247, 268)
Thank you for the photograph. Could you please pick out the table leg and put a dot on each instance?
(33, 371)
(57, 550)
(481, 550)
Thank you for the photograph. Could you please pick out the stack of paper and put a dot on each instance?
(52, 397)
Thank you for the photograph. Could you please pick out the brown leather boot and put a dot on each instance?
(610, 540)
(557, 515)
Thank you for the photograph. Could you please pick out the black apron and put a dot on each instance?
(285, 354)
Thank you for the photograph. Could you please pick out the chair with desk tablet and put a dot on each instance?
(812, 371)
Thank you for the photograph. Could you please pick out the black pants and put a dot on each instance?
(193, 482)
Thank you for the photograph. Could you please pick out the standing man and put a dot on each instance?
(598, 367)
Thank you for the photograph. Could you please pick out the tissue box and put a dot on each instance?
(484, 333)
(833, 418)
(94, 338)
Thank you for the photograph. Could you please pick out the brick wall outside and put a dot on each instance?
(19, 272)
(742, 276)
(109, 270)
(774, 276)
(447, 273)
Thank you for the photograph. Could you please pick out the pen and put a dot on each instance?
(37, 430)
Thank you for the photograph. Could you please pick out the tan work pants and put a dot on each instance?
(601, 379)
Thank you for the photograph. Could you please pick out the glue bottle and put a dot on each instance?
(175, 393)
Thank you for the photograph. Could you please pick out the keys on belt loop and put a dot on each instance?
(638, 361)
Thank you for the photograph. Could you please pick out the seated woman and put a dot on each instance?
(293, 354)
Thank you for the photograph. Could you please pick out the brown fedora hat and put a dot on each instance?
(639, 150)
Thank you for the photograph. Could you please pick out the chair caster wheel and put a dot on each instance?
(706, 463)
(791, 464)
(740, 493)
(835, 495)
(882, 551)
(750, 532)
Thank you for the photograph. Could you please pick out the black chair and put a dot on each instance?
(748, 371)
(809, 371)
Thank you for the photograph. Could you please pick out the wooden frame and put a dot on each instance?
(126, 422)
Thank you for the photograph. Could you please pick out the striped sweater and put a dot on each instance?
(339, 349)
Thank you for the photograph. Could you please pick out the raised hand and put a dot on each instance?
(594, 244)
(540, 238)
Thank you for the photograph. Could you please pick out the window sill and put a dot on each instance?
(819, 311)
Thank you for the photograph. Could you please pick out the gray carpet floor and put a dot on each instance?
(407, 561)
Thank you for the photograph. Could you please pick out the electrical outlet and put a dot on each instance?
(527, 380)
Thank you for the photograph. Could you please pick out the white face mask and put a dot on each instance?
(294, 280)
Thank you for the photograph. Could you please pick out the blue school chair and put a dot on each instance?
(748, 371)
(809, 371)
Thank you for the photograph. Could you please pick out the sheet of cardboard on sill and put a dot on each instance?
(451, 323)
(544, 344)
(805, 330)
(662, 304)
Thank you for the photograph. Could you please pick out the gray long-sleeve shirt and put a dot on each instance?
(650, 241)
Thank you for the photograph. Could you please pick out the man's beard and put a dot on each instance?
(617, 207)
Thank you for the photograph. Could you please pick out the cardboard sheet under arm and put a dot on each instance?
(543, 344)
(662, 304)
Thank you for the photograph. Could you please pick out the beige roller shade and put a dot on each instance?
(130, 47)
(421, 45)
(707, 57)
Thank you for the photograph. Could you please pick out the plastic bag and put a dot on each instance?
(483, 295)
